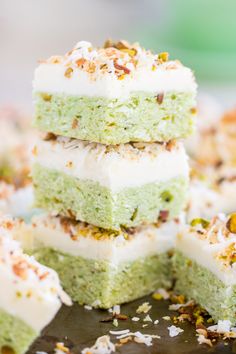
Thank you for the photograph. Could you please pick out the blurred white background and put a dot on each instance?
(31, 30)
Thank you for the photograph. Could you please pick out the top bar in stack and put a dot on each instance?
(115, 94)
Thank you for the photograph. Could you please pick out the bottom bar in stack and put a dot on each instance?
(100, 267)
(205, 265)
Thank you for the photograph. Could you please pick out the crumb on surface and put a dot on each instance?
(144, 308)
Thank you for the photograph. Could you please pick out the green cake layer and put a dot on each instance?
(89, 201)
(15, 335)
(141, 117)
(90, 281)
(199, 284)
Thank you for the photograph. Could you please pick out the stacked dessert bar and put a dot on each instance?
(111, 169)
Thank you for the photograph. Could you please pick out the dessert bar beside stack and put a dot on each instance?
(205, 265)
(30, 293)
(110, 170)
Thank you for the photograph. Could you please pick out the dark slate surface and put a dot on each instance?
(79, 328)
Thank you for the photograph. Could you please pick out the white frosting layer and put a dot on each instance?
(204, 253)
(48, 232)
(122, 167)
(29, 290)
(50, 78)
(37, 311)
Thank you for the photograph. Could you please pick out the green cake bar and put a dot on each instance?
(110, 187)
(109, 121)
(100, 267)
(204, 265)
(15, 335)
(114, 95)
(30, 293)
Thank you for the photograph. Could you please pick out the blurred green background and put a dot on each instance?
(201, 33)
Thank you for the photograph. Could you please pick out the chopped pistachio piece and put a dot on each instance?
(199, 221)
(231, 223)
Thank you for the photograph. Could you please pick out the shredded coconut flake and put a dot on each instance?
(222, 326)
(117, 333)
(87, 307)
(115, 322)
(166, 318)
(164, 294)
(174, 331)
(138, 337)
(135, 319)
(147, 319)
(116, 310)
(144, 308)
(103, 345)
(202, 340)
(176, 307)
